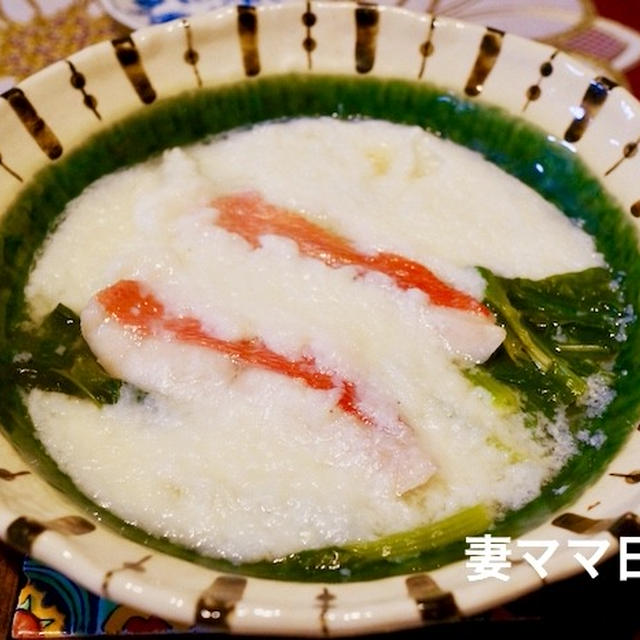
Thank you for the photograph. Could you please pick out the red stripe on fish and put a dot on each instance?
(249, 216)
(142, 312)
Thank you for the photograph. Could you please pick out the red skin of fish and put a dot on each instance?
(250, 216)
(145, 314)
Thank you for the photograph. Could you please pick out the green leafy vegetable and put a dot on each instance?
(55, 357)
(560, 330)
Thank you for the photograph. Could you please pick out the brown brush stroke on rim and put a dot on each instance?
(325, 603)
(248, 36)
(218, 602)
(426, 48)
(635, 212)
(309, 44)
(71, 525)
(33, 123)
(129, 58)
(22, 533)
(629, 151)
(191, 56)
(136, 566)
(434, 604)
(580, 524)
(367, 25)
(534, 91)
(592, 101)
(627, 524)
(10, 171)
(488, 53)
(632, 478)
(78, 82)
(7, 475)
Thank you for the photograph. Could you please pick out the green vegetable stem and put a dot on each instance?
(394, 552)
(469, 521)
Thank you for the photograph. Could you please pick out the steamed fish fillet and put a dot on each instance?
(136, 340)
(465, 324)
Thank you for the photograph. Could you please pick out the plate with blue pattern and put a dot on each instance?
(141, 13)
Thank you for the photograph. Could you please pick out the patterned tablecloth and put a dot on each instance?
(34, 33)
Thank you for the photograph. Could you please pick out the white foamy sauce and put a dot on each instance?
(246, 463)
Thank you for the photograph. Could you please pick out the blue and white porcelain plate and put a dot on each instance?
(141, 13)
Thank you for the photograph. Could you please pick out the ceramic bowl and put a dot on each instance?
(48, 122)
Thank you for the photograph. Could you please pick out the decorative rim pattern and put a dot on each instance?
(101, 85)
